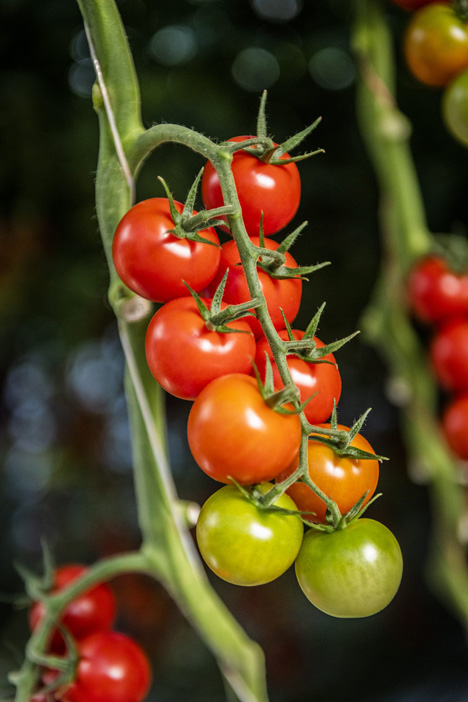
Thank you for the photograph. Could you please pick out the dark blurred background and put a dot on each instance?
(64, 442)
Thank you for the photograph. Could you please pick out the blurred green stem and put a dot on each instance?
(387, 322)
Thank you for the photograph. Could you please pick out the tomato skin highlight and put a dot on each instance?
(184, 356)
(436, 45)
(233, 433)
(455, 426)
(92, 611)
(436, 293)
(154, 263)
(111, 668)
(352, 572)
(449, 356)
(280, 294)
(273, 189)
(345, 480)
(243, 544)
(321, 378)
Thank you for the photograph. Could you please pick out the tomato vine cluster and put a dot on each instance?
(109, 667)
(259, 387)
(438, 296)
(436, 52)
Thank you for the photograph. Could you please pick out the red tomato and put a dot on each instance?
(436, 44)
(184, 355)
(435, 292)
(152, 262)
(280, 294)
(262, 187)
(345, 480)
(321, 378)
(233, 433)
(90, 612)
(111, 668)
(455, 426)
(449, 355)
(412, 5)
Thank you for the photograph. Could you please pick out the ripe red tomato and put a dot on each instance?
(90, 612)
(436, 44)
(351, 572)
(280, 294)
(243, 544)
(455, 426)
(184, 355)
(449, 355)
(154, 263)
(233, 433)
(455, 107)
(321, 378)
(412, 5)
(111, 668)
(345, 480)
(262, 187)
(435, 292)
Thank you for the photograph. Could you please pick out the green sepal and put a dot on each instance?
(186, 223)
(349, 451)
(353, 517)
(291, 238)
(272, 153)
(229, 314)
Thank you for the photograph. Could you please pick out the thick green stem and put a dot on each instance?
(387, 322)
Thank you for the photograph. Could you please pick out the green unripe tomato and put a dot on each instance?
(352, 572)
(455, 108)
(243, 544)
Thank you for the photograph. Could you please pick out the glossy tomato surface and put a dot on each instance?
(449, 355)
(274, 190)
(90, 612)
(153, 262)
(243, 544)
(184, 355)
(436, 293)
(320, 379)
(344, 479)
(455, 425)
(280, 294)
(436, 44)
(353, 572)
(233, 433)
(455, 107)
(111, 668)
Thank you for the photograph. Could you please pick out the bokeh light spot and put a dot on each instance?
(255, 69)
(332, 68)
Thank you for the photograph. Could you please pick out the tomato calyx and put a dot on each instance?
(216, 318)
(306, 348)
(343, 447)
(274, 153)
(453, 248)
(275, 399)
(186, 223)
(273, 261)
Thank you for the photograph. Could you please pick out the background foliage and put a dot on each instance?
(66, 471)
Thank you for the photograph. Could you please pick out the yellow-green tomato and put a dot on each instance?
(455, 107)
(352, 572)
(243, 544)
